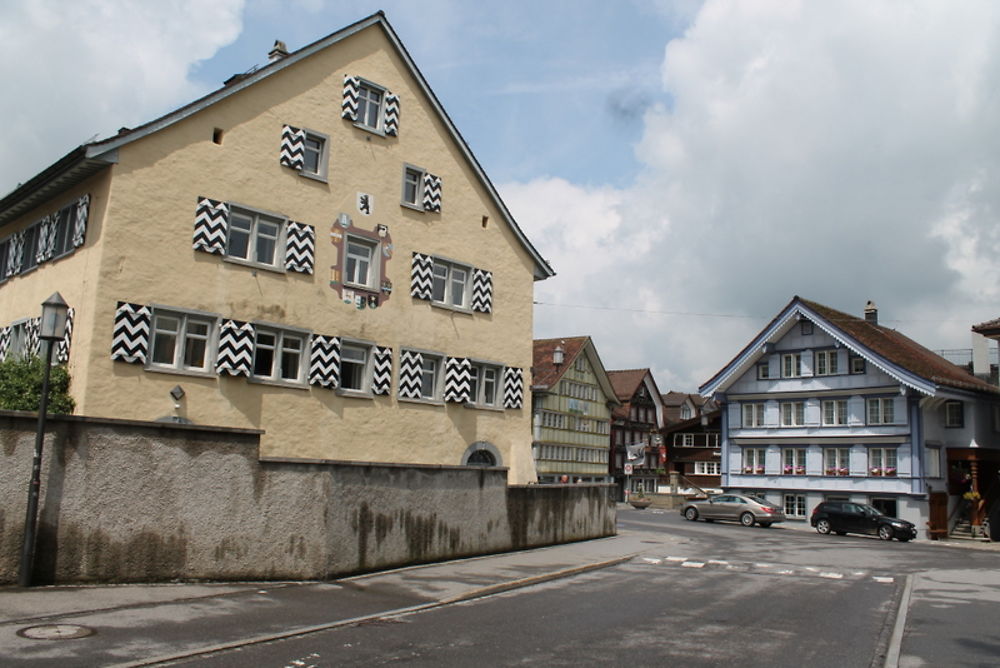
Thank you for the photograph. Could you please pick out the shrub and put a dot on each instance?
(21, 386)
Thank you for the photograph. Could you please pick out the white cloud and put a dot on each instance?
(73, 70)
(840, 151)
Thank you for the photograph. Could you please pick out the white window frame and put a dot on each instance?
(883, 462)
(352, 262)
(430, 386)
(793, 461)
(17, 348)
(836, 461)
(834, 412)
(183, 335)
(754, 460)
(753, 415)
(62, 243)
(880, 410)
(791, 365)
(932, 461)
(367, 107)
(707, 468)
(479, 393)
(254, 236)
(29, 258)
(954, 419)
(763, 371)
(443, 283)
(279, 348)
(322, 154)
(793, 413)
(856, 364)
(825, 363)
(365, 378)
(795, 505)
(418, 174)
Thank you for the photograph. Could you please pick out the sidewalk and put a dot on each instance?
(137, 625)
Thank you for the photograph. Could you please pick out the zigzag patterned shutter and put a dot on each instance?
(62, 349)
(513, 388)
(211, 224)
(482, 291)
(32, 328)
(46, 239)
(381, 370)
(349, 108)
(236, 341)
(432, 193)
(130, 340)
(422, 276)
(457, 379)
(292, 147)
(409, 374)
(15, 253)
(391, 114)
(80, 221)
(324, 361)
(4, 342)
(300, 247)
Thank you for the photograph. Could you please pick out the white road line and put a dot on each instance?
(763, 565)
(693, 564)
(883, 580)
(677, 558)
(718, 562)
(832, 576)
(648, 560)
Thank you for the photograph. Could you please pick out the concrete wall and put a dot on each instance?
(125, 501)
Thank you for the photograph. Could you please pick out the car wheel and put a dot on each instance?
(764, 524)
(691, 514)
(746, 519)
(823, 526)
(885, 532)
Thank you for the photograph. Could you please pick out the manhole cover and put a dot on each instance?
(56, 632)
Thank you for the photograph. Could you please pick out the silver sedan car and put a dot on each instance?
(747, 510)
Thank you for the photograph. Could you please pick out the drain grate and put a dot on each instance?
(56, 632)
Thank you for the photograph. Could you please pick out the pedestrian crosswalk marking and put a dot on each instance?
(768, 569)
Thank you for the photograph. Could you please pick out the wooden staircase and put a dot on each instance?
(963, 531)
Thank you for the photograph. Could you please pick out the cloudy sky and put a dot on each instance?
(687, 167)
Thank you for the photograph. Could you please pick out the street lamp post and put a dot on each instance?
(51, 330)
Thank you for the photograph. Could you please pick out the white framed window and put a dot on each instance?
(753, 460)
(881, 411)
(4, 251)
(430, 377)
(314, 154)
(837, 461)
(62, 243)
(484, 384)
(882, 462)
(413, 185)
(791, 365)
(181, 341)
(857, 364)
(806, 327)
(355, 367)
(29, 260)
(371, 99)
(254, 237)
(361, 262)
(753, 415)
(450, 284)
(706, 468)
(794, 461)
(795, 504)
(18, 347)
(278, 355)
(763, 371)
(932, 462)
(954, 414)
(793, 413)
(825, 363)
(834, 412)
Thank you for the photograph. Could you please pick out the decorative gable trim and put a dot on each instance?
(432, 193)
(482, 291)
(292, 147)
(300, 247)
(211, 224)
(422, 276)
(513, 387)
(324, 361)
(130, 339)
(236, 341)
(457, 379)
(410, 362)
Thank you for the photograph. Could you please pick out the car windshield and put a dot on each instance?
(870, 511)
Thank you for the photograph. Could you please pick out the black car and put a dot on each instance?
(846, 517)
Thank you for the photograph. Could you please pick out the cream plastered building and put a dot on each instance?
(311, 250)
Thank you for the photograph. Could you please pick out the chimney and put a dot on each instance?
(558, 355)
(871, 312)
(278, 52)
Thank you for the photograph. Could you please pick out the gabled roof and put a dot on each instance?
(87, 159)
(627, 381)
(709, 416)
(898, 356)
(546, 374)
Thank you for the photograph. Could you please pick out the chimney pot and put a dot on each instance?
(278, 52)
(871, 312)
(558, 355)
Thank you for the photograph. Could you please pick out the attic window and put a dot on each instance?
(486, 221)
(806, 327)
(217, 136)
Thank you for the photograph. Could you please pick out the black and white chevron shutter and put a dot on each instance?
(80, 220)
(211, 224)
(300, 248)
(482, 291)
(236, 341)
(46, 239)
(513, 388)
(31, 330)
(349, 108)
(409, 374)
(422, 276)
(432, 193)
(324, 361)
(391, 114)
(457, 379)
(4, 342)
(15, 253)
(62, 349)
(382, 370)
(130, 339)
(292, 147)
